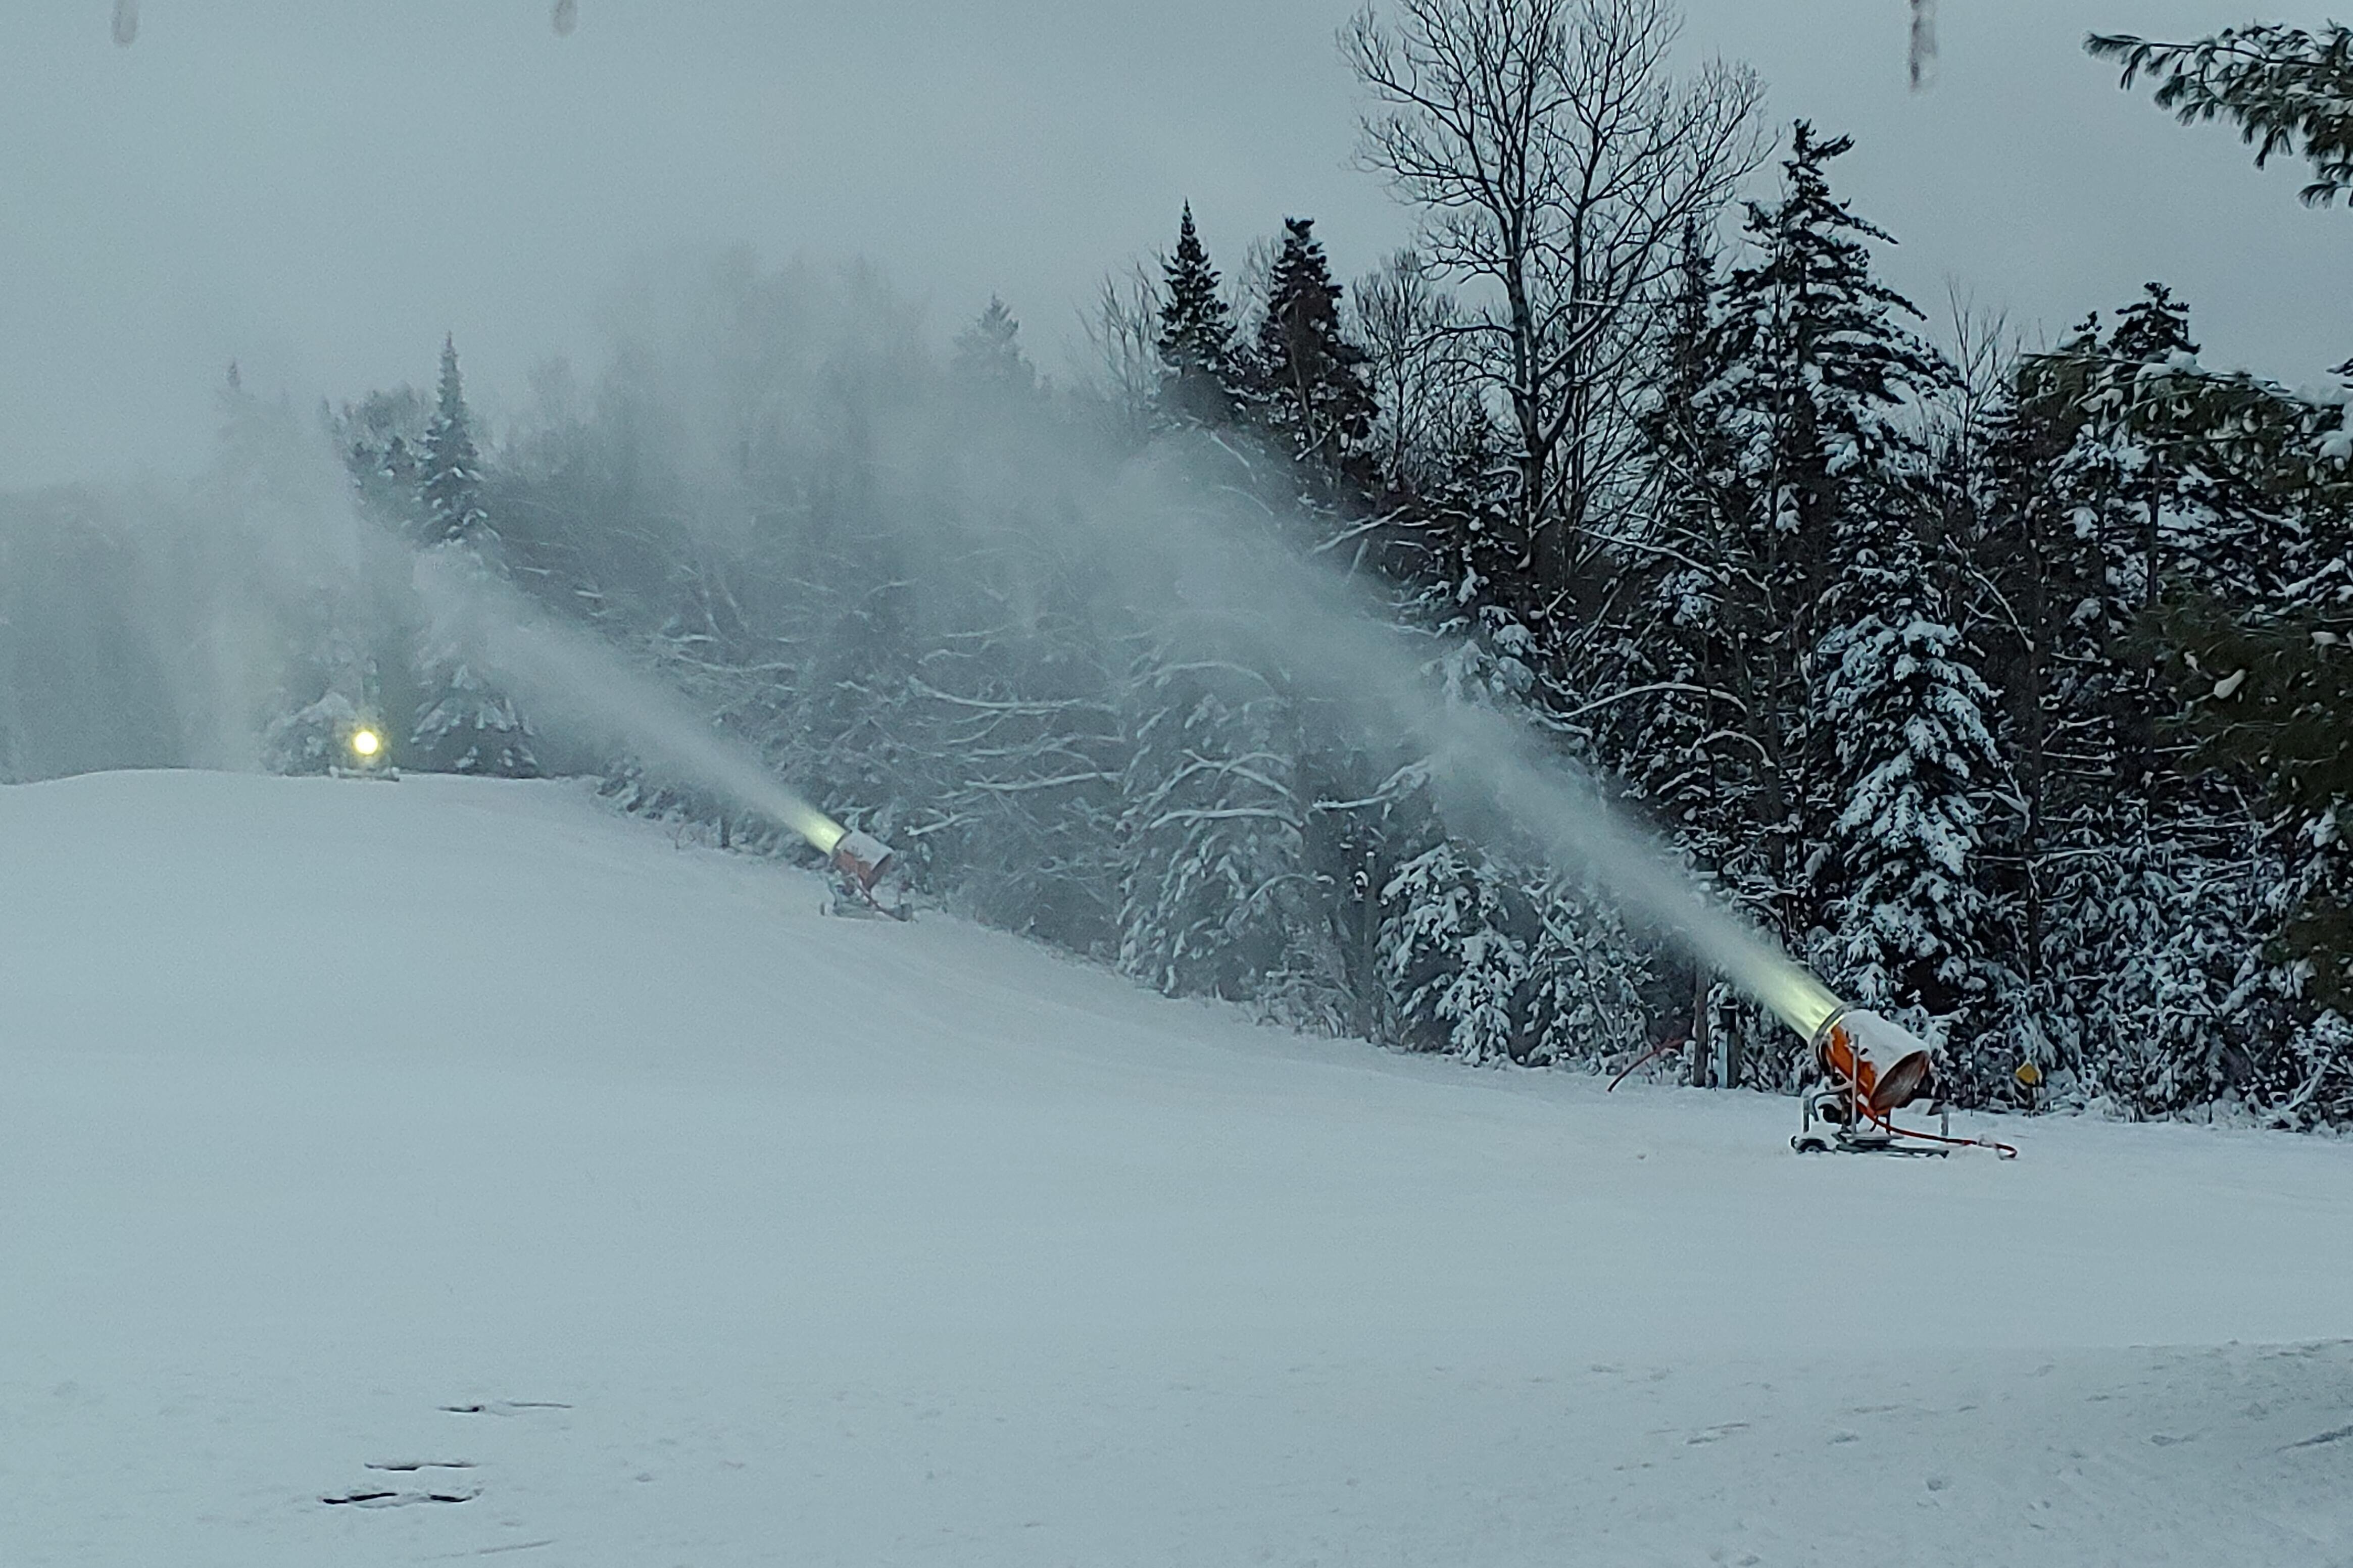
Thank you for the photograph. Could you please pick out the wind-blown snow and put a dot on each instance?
(734, 1235)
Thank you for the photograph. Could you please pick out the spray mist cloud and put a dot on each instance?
(572, 679)
(1490, 774)
(1168, 530)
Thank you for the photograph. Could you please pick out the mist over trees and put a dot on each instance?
(2009, 690)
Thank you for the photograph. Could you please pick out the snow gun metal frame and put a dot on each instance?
(1867, 1068)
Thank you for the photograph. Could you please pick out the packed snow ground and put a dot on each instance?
(460, 1140)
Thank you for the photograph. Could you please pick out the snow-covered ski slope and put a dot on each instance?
(466, 1126)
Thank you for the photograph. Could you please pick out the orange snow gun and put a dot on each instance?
(1867, 1068)
(860, 861)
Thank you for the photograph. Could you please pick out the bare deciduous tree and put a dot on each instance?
(1422, 380)
(1559, 162)
(1123, 333)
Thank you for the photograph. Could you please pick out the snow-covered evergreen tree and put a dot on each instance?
(1900, 728)
(1587, 977)
(465, 724)
(450, 481)
(1805, 717)
(1455, 954)
(1910, 718)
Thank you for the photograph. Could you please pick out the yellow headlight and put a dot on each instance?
(366, 743)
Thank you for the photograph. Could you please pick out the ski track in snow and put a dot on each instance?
(539, 1190)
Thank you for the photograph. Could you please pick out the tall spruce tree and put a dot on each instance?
(988, 356)
(451, 477)
(1306, 380)
(1811, 366)
(1195, 335)
(1913, 922)
(464, 723)
(1864, 719)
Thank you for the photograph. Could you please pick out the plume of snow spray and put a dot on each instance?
(1170, 537)
(1492, 775)
(573, 678)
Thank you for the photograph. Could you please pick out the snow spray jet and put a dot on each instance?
(1490, 774)
(571, 677)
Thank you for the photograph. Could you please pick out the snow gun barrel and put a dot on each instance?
(1887, 1065)
(862, 858)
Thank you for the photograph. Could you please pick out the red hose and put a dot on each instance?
(1652, 1055)
(2006, 1150)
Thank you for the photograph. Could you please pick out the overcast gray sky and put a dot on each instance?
(319, 188)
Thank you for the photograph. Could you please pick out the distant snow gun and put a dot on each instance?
(1867, 1068)
(364, 753)
(860, 862)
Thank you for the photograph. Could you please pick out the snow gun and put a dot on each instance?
(365, 755)
(859, 861)
(1867, 1068)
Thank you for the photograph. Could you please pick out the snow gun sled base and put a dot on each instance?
(1866, 1069)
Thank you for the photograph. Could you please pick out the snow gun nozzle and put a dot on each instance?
(1885, 1065)
(862, 858)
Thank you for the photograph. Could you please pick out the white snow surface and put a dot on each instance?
(468, 1126)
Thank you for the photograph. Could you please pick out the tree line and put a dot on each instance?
(2009, 690)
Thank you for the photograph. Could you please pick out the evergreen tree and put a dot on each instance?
(1306, 379)
(450, 482)
(2134, 475)
(988, 354)
(464, 723)
(2287, 89)
(1676, 738)
(1587, 975)
(1914, 923)
(382, 438)
(1455, 956)
(1818, 723)
(2273, 704)
(1809, 367)
(1195, 334)
(1700, 656)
